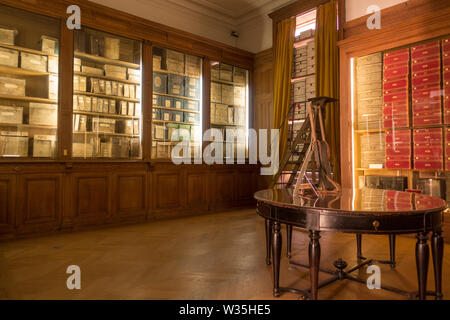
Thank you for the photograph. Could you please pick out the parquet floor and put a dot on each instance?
(219, 256)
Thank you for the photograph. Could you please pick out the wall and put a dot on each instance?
(357, 8)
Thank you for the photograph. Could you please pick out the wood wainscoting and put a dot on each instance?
(43, 198)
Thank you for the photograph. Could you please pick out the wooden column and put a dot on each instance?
(147, 100)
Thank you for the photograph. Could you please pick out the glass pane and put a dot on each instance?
(107, 115)
(229, 108)
(29, 66)
(177, 92)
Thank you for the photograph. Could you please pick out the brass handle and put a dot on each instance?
(376, 224)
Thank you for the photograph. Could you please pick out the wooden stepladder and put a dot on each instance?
(318, 151)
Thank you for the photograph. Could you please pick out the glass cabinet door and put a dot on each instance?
(107, 115)
(229, 107)
(29, 66)
(177, 92)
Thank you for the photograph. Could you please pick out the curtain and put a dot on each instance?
(327, 75)
(283, 56)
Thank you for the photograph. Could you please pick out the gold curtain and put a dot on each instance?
(327, 75)
(283, 56)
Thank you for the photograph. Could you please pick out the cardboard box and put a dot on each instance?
(49, 45)
(175, 85)
(43, 114)
(9, 57)
(135, 148)
(112, 48)
(216, 92)
(105, 106)
(106, 148)
(92, 71)
(159, 132)
(159, 83)
(120, 147)
(192, 87)
(131, 108)
(13, 144)
(103, 125)
(191, 105)
(115, 71)
(221, 113)
(177, 103)
(157, 62)
(226, 72)
(163, 150)
(240, 75)
(239, 96)
(112, 106)
(34, 62)
(44, 146)
(215, 71)
(87, 103)
(175, 61)
(123, 108)
(82, 150)
(11, 115)
(193, 66)
(7, 35)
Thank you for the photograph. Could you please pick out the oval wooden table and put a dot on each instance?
(359, 211)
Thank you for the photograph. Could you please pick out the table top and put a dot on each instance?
(355, 201)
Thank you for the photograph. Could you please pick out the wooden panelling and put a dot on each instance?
(91, 198)
(39, 207)
(7, 203)
(168, 190)
(246, 183)
(196, 190)
(131, 194)
(223, 182)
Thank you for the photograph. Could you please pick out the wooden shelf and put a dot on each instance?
(388, 170)
(23, 72)
(7, 46)
(28, 99)
(236, 84)
(106, 96)
(106, 115)
(362, 131)
(175, 122)
(84, 74)
(227, 124)
(29, 126)
(175, 96)
(293, 80)
(175, 109)
(175, 73)
(107, 134)
(103, 60)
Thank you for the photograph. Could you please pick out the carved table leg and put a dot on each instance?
(268, 240)
(422, 256)
(288, 240)
(359, 246)
(314, 262)
(392, 249)
(276, 250)
(437, 249)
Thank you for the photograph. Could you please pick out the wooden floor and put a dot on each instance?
(219, 256)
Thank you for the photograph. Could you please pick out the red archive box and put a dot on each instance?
(398, 149)
(427, 107)
(447, 148)
(426, 65)
(397, 83)
(427, 118)
(425, 202)
(398, 162)
(446, 45)
(426, 50)
(398, 200)
(397, 53)
(424, 163)
(391, 109)
(398, 136)
(434, 78)
(431, 136)
(428, 149)
(395, 71)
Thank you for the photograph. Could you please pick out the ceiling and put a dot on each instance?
(232, 12)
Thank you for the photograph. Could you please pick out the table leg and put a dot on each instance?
(289, 240)
(276, 250)
(392, 249)
(437, 249)
(359, 246)
(314, 262)
(268, 240)
(422, 256)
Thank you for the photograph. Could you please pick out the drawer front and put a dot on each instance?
(397, 53)
(400, 59)
(447, 134)
(425, 120)
(398, 164)
(430, 136)
(401, 83)
(398, 136)
(390, 96)
(395, 123)
(446, 45)
(403, 109)
(425, 50)
(427, 107)
(428, 165)
(396, 151)
(421, 150)
(434, 97)
(427, 65)
(433, 78)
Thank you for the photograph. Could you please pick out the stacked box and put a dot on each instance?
(426, 84)
(43, 114)
(428, 151)
(11, 115)
(398, 149)
(172, 132)
(120, 147)
(9, 57)
(396, 89)
(49, 45)
(310, 87)
(240, 76)
(215, 71)
(13, 144)
(156, 114)
(44, 146)
(134, 74)
(178, 103)
(191, 105)
(12, 86)
(93, 71)
(239, 115)
(159, 132)
(7, 35)
(226, 72)
(175, 61)
(311, 58)
(159, 83)
(369, 113)
(220, 113)
(115, 72)
(299, 91)
(157, 60)
(300, 62)
(103, 125)
(373, 149)
(167, 102)
(192, 117)
(192, 87)
(193, 66)
(239, 96)
(34, 62)
(373, 199)
(216, 92)
(53, 64)
(177, 116)
(227, 94)
(176, 84)
(76, 64)
(82, 150)
(446, 79)
(112, 48)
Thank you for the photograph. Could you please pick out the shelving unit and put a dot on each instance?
(107, 82)
(29, 78)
